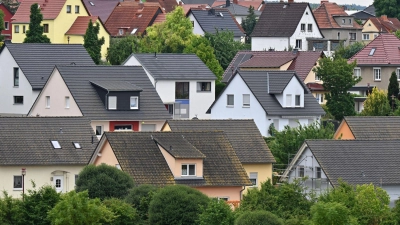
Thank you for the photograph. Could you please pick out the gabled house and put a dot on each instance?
(271, 98)
(51, 151)
(238, 11)
(64, 22)
(100, 8)
(285, 25)
(7, 32)
(113, 98)
(132, 18)
(184, 83)
(197, 2)
(378, 25)
(167, 5)
(357, 162)
(365, 14)
(257, 4)
(24, 69)
(205, 161)
(303, 62)
(246, 140)
(211, 20)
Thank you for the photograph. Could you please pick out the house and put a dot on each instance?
(336, 26)
(368, 127)
(100, 8)
(303, 62)
(205, 161)
(271, 98)
(113, 98)
(257, 4)
(132, 18)
(184, 83)
(197, 2)
(7, 32)
(167, 5)
(51, 151)
(24, 69)
(378, 25)
(64, 22)
(285, 25)
(238, 11)
(365, 14)
(323, 162)
(246, 140)
(211, 20)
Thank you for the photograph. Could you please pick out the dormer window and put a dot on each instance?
(134, 102)
(297, 100)
(56, 144)
(112, 102)
(121, 32)
(188, 170)
(371, 53)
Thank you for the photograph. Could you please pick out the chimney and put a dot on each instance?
(290, 1)
(228, 3)
(384, 18)
(324, 1)
(235, 2)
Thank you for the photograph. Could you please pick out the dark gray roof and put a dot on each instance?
(245, 137)
(238, 10)
(208, 2)
(358, 161)
(100, 8)
(117, 86)
(210, 22)
(37, 61)
(374, 127)
(27, 140)
(178, 147)
(175, 66)
(371, 10)
(79, 78)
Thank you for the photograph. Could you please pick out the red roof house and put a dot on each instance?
(7, 32)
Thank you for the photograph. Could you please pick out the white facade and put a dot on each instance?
(196, 26)
(8, 90)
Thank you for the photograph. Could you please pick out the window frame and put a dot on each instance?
(302, 27)
(227, 100)
(47, 102)
(297, 97)
(121, 125)
(351, 36)
(374, 73)
(180, 90)
(69, 8)
(318, 172)
(288, 103)
(365, 35)
(253, 176)
(108, 103)
(137, 102)
(16, 76)
(398, 73)
(6, 25)
(354, 72)
(55, 144)
(188, 169)
(246, 104)
(18, 103)
(101, 130)
(23, 29)
(300, 171)
(46, 28)
(76, 7)
(121, 31)
(200, 86)
(67, 102)
(16, 29)
(310, 27)
(22, 183)
(299, 43)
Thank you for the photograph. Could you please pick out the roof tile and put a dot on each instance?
(324, 15)
(80, 25)
(49, 8)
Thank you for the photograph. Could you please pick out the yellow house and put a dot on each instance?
(378, 25)
(64, 22)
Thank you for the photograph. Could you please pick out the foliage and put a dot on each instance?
(288, 141)
(121, 48)
(140, 198)
(104, 181)
(35, 32)
(348, 51)
(258, 217)
(124, 212)
(1, 24)
(338, 78)
(10, 210)
(328, 213)
(393, 88)
(177, 204)
(217, 212)
(91, 42)
(77, 209)
(376, 104)
(249, 23)
(391, 8)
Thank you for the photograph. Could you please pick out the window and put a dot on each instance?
(246, 100)
(375, 35)
(182, 90)
(297, 100)
(18, 99)
(56, 144)
(350, 21)
(121, 32)
(353, 36)
(316, 77)
(372, 52)
(45, 28)
(112, 102)
(288, 100)
(16, 29)
(309, 27)
(230, 100)
(122, 127)
(6, 24)
(365, 36)
(148, 127)
(298, 43)
(58, 183)
(77, 145)
(23, 29)
(76, 178)
(99, 130)
(17, 183)
(134, 102)
(398, 73)
(343, 21)
(300, 170)
(303, 27)
(320, 98)
(338, 35)
(67, 102)
(47, 102)
(68, 9)
(203, 86)
(253, 178)
(188, 170)
(357, 72)
(318, 172)
(77, 9)
(16, 77)
(377, 74)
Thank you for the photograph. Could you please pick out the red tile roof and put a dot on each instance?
(385, 24)
(49, 8)
(81, 24)
(100, 8)
(246, 3)
(324, 15)
(315, 87)
(167, 5)
(386, 51)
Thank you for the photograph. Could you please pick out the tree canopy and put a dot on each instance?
(350, 50)
(35, 32)
(121, 48)
(249, 23)
(1, 24)
(376, 104)
(92, 43)
(391, 8)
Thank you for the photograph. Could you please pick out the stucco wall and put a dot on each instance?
(106, 156)
(232, 193)
(344, 132)
(264, 172)
(265, 43)
(344, 35)
(367, 75)
(196, 28)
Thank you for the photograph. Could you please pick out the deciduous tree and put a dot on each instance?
(92, 43)
(376, 104)
(121, 48)
(217, 212)
(35, 32)
(328, 213)
(249, 23)
(391, 8)
(258, 217)
(1, 24)
(140, 198)
(350, 50)
(124, 212)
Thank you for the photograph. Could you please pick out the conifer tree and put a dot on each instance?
(1, 24)
(35, 32)
(393, 88)
(249, 23)
(92, 43)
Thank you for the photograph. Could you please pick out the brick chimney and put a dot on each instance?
(290, 1)
(324, 1)
(235, 2)
(384, 18)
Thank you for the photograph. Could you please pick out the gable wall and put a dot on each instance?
(265, 43)
(344, 132)
(107, 156)
(294, 88)
(196, 27)
(7, 18)
(367, 75)
(264, 172)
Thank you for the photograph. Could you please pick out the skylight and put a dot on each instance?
(55, 144)
(134, 31)
(222, 15)
(77, 145)
(91, 3)
(371, 53)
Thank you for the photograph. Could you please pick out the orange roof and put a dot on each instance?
(326, 11)
(81, 24)
(385, 24)
(49, 8)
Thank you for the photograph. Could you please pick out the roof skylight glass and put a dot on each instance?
(91, 3)
(55, 144)
(77, 145)
(134, 31)
(372, 51)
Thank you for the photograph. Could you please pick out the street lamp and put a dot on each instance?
(23, 173)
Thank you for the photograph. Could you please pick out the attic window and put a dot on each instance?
(55, 144)
(77, 145)
(140, 15)
(371, 53)
(222, 15)
(284, 6)
(91, 3)
(134, 31)
(306, 13)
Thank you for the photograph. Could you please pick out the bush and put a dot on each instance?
(104, 181)
(258, 217)
(126, 214)
(140, 198)
(10, 210)
(217, 213)
(330, 213)
(177, 204)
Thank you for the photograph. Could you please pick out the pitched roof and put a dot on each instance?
(374, 127)
(200, 2)
(174, 66)
(386, 51)
(246, 139)
(100, 8)
(167, 5)
(178, 147)
(37, 61)
(237, 10)
(117, 85)
(210, 21)
(325, 14)
(279, 19)
(370, 9)
(27, 140)
(246, 3)
(139, 156)
(79, 78)
(315, 87)
(385, 24)
(49, 9)
(80, 25)
(302, 63)
(131, 16)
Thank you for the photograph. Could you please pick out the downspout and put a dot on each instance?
(268, 82)
(244, 187)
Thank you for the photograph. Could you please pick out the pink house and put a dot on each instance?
(7, 32)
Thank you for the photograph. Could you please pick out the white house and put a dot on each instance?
(184, 83)
(285, 25)
(277, 98)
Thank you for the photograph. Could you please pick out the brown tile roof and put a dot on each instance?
(160, 18)
(325, 13)
(385, 24)
(167, 5)
(132, 15)
(386, 51)
(315, 87)
(49, 8)
(80, 25)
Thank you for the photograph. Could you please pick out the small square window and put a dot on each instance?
(6, 25)
(45, 28)
(17, 183)
(16, 77)
(309, 27)
(16, 29)
(68, 8)
(18, 99)
(230, 100)
(303, 27)
(301, 171)
(297, 100)
(188, 170)
(343, 21)
(246, 100)
(77, 9)
(56, 144)
(253, 178)
(99, 130)
(47, 102)
(203, 86)
(112, 102)
(134, 102)
(77, 145)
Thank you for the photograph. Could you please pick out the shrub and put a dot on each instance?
(140, 197)
(126, 214)
(216, 213)
(258, 217)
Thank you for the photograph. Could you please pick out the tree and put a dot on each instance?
(249, 23)
(376, 104)
(217, 212)
(78, 209)
(92, 43)
(177, 204)
(35, 32)
(121, 48)
(337, 77)
(1, 24)
(391, 8)
(350, 50)
(393, 88)
(10, 210)
(104, 181)
(258, 217)
(125, 213)
(328, 213)
(140, 198)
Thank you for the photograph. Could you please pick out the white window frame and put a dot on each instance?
(303, 27)
(299, 43)
(364, 36)
(289, 103)
(359, 72)
(121, 31)
(355, 36)
(137, 102)
(22, 183)
(101, 130)
(67, 102)
(246, 100)
(398, 73)
(227, 100)
(56, 144)
(187, 169)
(316, 172)
(254, 176)
(309, 26)
(47, 102)
(200, 86)
(300, 170)
(112, 107)
(376, 69)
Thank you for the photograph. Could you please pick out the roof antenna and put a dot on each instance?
(155, 55)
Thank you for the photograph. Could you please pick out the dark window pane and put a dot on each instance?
(192, 170)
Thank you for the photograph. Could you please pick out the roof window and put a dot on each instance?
(91, 3)
(77, 145)
(56, 144)
(134, 31)
(221, 15)
(371, 53)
